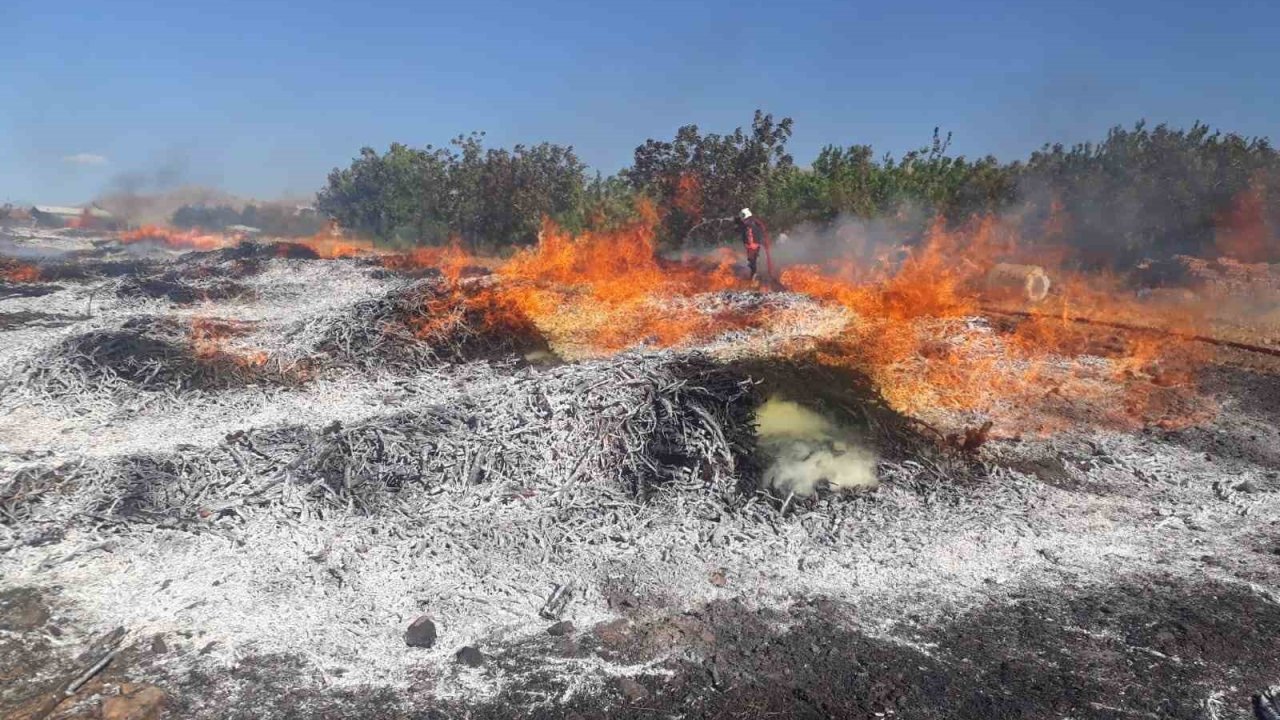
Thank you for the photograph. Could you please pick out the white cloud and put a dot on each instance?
(85, 159)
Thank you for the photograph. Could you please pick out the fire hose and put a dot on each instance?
(774, 282)
(702, 223)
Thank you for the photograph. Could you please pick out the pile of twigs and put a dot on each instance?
(249, 250)
(209, 275)
(147, 353)
(173, 287)
(426, 323)
(628, 429)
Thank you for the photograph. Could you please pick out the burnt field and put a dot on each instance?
(285, 480)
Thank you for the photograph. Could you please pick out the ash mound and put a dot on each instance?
(148, 353)
(637, 427)
(430, 322)
(249, 250)
(172, 287)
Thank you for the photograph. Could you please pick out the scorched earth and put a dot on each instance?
(313, 480)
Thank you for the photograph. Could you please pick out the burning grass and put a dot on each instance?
(915, 327)
(12, 271)
(427, 323)
(330, 244)
(599, 293)
(605, 292)
(963, 328)
(179, 239)
(918, 335)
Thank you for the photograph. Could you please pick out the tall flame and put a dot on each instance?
(914, 328)
(606, 291)
(1245, 232)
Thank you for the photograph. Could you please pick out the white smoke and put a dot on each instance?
(871, 246)
(85, 159)
(808, 452)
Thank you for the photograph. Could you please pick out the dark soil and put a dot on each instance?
(26, 649)
(26, 318)
(13, 290)
(1149, 648)
(1250, 434)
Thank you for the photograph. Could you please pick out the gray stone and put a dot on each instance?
(471, 657)
(421, 633)
(564, 627)
(632, 690)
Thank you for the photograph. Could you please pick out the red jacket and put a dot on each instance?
(754, 233)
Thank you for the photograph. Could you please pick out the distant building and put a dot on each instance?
(243, 230)
(60, 216)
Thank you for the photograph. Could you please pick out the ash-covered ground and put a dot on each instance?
(258, 469)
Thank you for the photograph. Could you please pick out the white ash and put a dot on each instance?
(338, 587)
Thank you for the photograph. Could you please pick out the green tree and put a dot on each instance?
(485, 196)
(1148, 192)
(724, 172)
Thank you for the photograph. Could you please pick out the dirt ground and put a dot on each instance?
(1092, 574)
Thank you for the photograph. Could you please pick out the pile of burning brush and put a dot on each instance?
(645, 412)
(914, 326)
(329, 244)
(145, 353)
(427, 323)
(13, 271)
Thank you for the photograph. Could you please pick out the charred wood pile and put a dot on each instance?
(626, 429)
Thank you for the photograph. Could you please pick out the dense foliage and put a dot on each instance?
(488, 196)
(1148, 192)
(1141, 192)
(698, 176)
(281, 220)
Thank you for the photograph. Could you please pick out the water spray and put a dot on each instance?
(703, 223)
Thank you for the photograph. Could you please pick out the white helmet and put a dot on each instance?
(744, 213)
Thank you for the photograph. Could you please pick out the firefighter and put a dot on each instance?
(755, 236)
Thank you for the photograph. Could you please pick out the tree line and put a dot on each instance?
(272, 219)
(1140, 192)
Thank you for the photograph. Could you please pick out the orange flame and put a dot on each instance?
(208, 343)
(451, 260)
(915, 326)
(179, 239)
(914, 338)
(16, 272)
(332, 243)
(688, 198)
(1245, 232)
(606, 291)
(329, 244)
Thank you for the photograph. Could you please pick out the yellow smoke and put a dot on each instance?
(807, 450)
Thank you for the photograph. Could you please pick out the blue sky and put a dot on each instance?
(263, 98)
